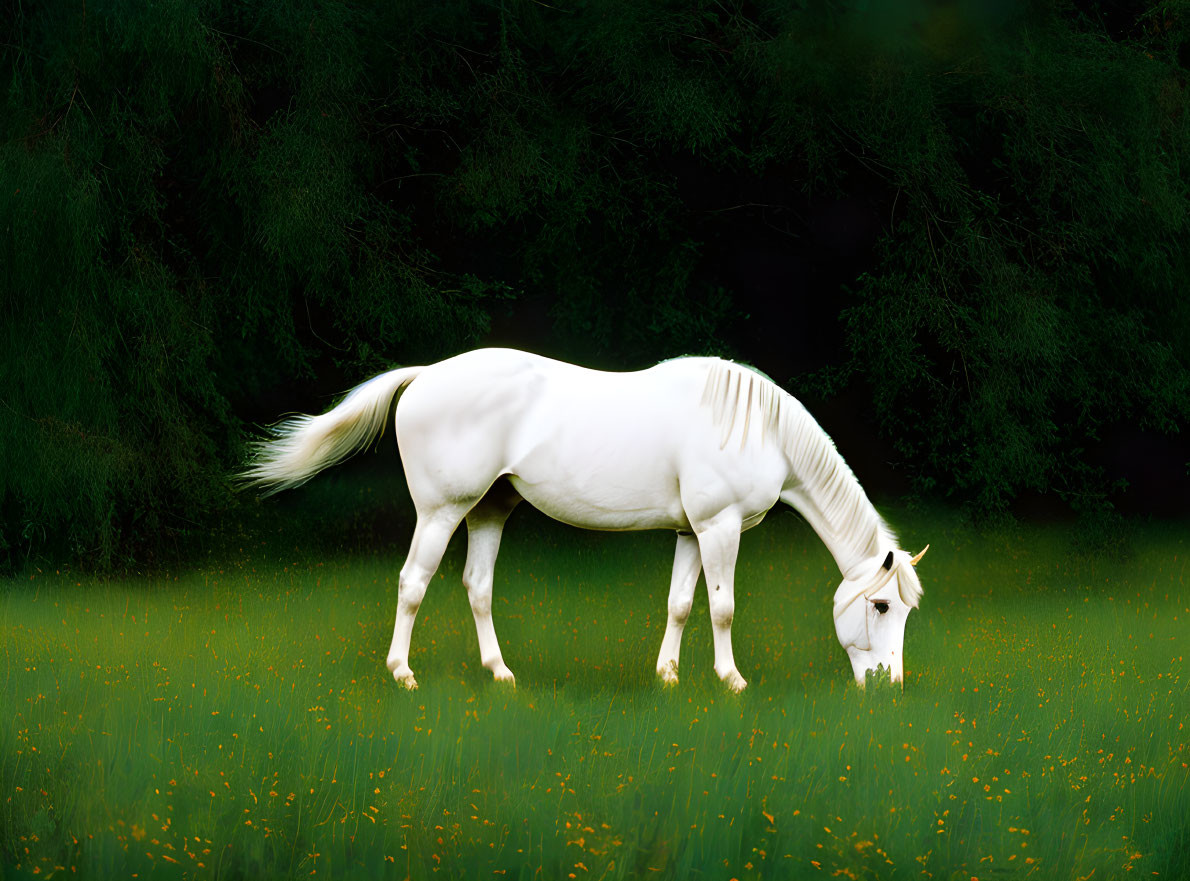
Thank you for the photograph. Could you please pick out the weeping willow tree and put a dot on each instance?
(209, 206)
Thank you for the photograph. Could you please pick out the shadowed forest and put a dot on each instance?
(956, 230)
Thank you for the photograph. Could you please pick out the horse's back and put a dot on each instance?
(514, 384)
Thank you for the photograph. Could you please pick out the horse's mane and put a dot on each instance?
(738, 395)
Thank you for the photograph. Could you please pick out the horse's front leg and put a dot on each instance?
(719, 544)
(687, 565)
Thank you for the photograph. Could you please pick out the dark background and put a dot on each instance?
(955, 228)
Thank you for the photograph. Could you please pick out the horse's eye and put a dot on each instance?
(881, 607)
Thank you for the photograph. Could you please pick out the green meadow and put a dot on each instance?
(237, 720)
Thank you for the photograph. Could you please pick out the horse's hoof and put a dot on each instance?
(735, 682)
(404, 678)
(503, 674)
(668, 673)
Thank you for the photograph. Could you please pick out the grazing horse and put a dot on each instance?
(700, 446)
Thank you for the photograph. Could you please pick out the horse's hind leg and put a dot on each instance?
(430, 538)
(485, 523)
(687, 564)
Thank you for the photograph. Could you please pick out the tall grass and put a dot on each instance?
(239, 721)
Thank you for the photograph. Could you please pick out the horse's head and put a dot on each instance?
(870, 614)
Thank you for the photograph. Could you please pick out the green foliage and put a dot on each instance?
(1029, 291)
(209, 205)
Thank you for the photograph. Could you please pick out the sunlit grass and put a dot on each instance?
(239, 721)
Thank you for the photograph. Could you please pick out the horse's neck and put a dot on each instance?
(852, 535)
(824, 491)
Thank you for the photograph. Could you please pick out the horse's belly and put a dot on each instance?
(596, 480)
(609, 505)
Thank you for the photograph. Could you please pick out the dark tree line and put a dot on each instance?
(969, 214)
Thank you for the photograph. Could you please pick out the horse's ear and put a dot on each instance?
(888, 561)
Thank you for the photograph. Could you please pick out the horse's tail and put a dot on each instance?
(304, 445)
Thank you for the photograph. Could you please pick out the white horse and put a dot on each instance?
(700, 446)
